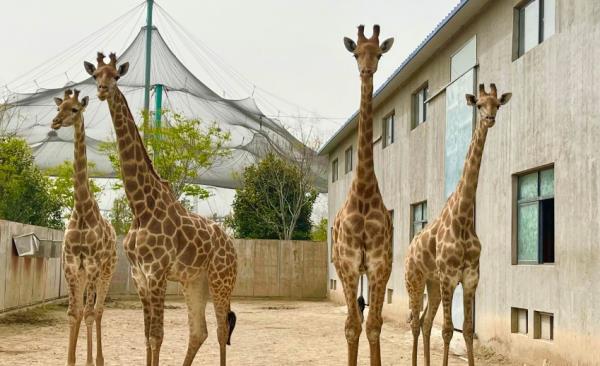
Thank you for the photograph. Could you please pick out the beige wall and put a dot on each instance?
(553, 118)
(27, 281)
(266, 268)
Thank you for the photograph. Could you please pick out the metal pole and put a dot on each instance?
(158, 89)
(148, 61)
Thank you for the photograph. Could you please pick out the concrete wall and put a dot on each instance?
(27, 281)
(553, 118)
(266, 268)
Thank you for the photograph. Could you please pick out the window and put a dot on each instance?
(519, 320)
(535, 217)
(334, 170)
(419, 217)
(536, 23)
(348, 160)
(388, 130)
(390, 295)
(543, 325)
(419, 106)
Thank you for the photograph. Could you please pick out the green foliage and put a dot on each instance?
(319, 231)
(181, 152)
(25, 193)
(62, 185)
(275, 201)
(120, 215)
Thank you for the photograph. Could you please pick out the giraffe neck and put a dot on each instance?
(139, 177)
(467, 186)
(365, 171)
(85, 203)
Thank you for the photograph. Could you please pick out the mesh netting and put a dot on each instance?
(252, 132)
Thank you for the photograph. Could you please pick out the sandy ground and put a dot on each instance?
(267, 333)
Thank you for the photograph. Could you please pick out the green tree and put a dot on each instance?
(25, 193)
(319, 231)
(120, 215)
(274, 202)
(181, 152)
(62, 185)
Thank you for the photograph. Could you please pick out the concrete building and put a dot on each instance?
(538, 199)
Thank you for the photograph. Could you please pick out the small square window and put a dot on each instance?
(535, 22)
(334, 170)
(543, 325)
(419, 106)
(388, 130)
(535, 217)
(519, 321)
(348, 160)
(390, 295)
(419, 218)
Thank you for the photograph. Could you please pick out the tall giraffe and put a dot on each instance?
(167, 242)
(447, 250)
(362, 230)
(89, 246)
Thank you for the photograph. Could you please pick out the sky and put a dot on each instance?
(288, 54)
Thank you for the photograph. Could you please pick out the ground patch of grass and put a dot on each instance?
(39, 316)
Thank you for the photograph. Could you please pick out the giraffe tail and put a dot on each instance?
(361, 306)
(231, 319)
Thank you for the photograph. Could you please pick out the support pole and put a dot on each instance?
(148, 61)
(158, 91)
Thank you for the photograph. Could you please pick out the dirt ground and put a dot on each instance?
(267, 333)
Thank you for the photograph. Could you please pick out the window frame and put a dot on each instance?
(348, 157)
(335, 170)
(423, 221)
(519, 24)
(385, 129)
(415, 122)
(538, 201)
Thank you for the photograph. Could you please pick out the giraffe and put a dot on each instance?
(447, 250)
(89, 246)
(362, 234)
(167, 242)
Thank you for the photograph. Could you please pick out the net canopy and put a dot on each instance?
(252, 131)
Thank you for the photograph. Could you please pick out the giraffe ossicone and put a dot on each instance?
(362, 230)
(89, 247)
(166, 241)
(446, 252)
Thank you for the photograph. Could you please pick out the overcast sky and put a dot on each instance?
(292, 49)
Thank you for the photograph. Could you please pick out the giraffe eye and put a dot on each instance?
(356, 56)
(74, 110)
(378, 56)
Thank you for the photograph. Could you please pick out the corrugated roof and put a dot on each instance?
(400, 69)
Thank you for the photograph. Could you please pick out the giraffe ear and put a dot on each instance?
(84, 101)
(350, 45)
(505, 98)
(471, 99)
(58, 101)
(123, 69)
(89, 68)
(386, 45)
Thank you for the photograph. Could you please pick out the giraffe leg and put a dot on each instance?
(415, 286)
(76, 284)
(99, 311)
(471, 279)
(353, 321)
(157, 289)
(89, 313)
(378, 276)
(433, 303)
(220, 283)
(447, 286)
(196, 296)
(142, 289)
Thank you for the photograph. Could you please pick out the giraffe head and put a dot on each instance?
(106, 75)
(368, 51)
(70, 109)
(488, 103)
